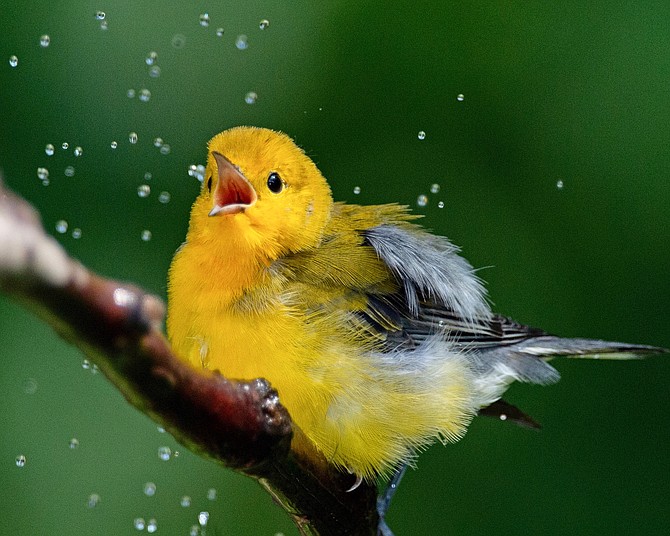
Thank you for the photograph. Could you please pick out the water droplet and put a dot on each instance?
(164, 453)
(197, 171)
(69, 171)
(143, 190)
(93, 500)
(264, 24)
(139, 523)
(113, 145)
(422, 200)
(13, 61)
(65, 146)
(160, 429)
(152, 526)
(211, 494)
(150, 489)
(151, 58)
(30, 386)
(146, 235)
(74, 443)
(460, 97)
(195, 530)
(78, 151)
(130, 93)
(20, 460)
(440, 204)
(61, 226)
(178, 41)
(250, 98)
(132, 137)
(219, 32)
(100, 15)
(45, 40)
(86, 364)
(145, 95)
(503, 417)
(158, 142)
(165, 148)
(357, 190)
(148, 176)
(185, 501)
(76, 233)
(49, 149)
(104, 25)
(241, 42)
(435, 188)
(421, 135)
(155, 71)
(204, 20)
(559, 184)
(164, 197)
(42, 173)
(203, 518)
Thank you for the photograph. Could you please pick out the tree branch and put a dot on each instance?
(239, 424)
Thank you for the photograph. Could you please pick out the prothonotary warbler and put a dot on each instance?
(376, 334)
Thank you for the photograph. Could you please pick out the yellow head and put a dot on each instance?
(261, 194)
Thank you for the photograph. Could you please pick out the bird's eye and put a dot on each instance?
(275, 184)
(209, 184)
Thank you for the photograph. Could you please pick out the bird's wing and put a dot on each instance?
(429, 270)
(437, 291)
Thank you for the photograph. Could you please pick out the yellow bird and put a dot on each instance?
(376, 334)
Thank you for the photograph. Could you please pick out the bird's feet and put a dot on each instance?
(384, 501)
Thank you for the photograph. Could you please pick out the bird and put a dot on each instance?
(377, 334)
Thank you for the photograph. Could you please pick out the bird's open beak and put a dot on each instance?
(233, 192)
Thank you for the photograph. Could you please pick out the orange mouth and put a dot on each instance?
(233, 192)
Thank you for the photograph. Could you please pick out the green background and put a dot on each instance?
(552, 92)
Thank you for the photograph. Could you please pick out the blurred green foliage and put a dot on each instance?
(567, 91)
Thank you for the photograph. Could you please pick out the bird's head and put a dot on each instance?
(261, 191)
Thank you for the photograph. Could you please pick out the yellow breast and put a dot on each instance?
(355, 405)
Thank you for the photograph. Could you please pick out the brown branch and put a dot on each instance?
(118, 327)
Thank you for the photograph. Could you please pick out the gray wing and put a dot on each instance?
(429, 269)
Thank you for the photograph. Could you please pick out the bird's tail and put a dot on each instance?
(548, 346)
(527, 361)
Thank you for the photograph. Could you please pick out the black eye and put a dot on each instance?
(209, 184)
(275, 184)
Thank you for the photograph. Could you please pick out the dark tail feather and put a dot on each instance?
(507, 412)
(547, 347)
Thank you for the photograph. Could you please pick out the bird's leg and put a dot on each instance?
(384, 501)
